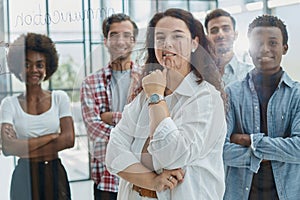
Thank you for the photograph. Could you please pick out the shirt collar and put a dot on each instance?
(188, 86)
(233, 64)
(284, 79)
(135, 69)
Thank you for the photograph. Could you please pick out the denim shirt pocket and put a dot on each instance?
(281, 122)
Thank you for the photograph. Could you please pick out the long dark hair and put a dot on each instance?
(202, 60)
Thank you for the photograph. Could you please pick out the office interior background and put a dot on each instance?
(75, 27)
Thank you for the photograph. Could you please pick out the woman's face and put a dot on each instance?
(173, 44)
(35, 68)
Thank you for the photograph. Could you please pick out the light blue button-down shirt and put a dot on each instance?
(281, 146)
(235, 71)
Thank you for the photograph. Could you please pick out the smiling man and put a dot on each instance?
(220, 28)
(262, 147)
(104, 95)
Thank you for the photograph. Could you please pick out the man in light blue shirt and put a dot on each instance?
(220, 28)
(262, 147)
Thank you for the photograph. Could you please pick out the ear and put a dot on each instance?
(285, 49)
(195, 43)
(249, 51)
(236, 34)
(21, 77)
(105, 41)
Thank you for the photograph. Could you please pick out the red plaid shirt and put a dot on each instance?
(96, 98)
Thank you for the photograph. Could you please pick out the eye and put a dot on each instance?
(27, 65)
(273, 43)
(127, 35)
(178, 36)
(214, 30)
(40, 65)
(160, 39)
(226, 29)
(113, 34)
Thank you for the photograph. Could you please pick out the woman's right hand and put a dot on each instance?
(155, 82)
(168, 179)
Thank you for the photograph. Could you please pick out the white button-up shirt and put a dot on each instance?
(191, 138)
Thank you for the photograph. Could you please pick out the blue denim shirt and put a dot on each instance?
(281, 146)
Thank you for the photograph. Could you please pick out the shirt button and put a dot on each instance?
(257, 128)
(256, 107)
(46, 162)
(247, 188)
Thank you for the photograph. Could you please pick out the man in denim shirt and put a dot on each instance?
(262, 147)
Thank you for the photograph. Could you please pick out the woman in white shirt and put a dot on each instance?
(168, 144)
(36, 124)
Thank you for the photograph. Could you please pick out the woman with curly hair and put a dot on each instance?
(36, 124)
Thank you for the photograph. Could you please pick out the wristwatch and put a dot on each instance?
(155, 98)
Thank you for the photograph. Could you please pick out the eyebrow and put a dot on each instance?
(175, 31)
(273, 37)
(222, 26)
(38, 61)
(116, 32)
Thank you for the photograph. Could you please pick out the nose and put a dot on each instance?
(168, 42)
(33, 68)
(121, 40)
(265, 47)
(220, 33)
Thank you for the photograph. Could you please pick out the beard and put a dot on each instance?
(223, 50)
(120, 58)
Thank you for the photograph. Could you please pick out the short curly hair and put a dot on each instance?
(16, 56)
(269, 21)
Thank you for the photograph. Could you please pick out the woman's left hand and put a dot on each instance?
(155, 82)
(168, 179)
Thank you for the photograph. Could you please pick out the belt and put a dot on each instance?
(144, 192)
(46, 162)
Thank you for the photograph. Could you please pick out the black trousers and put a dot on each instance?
(104, 195)
(40, 181)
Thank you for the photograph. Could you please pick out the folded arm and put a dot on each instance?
(97, 122)
(237, 151)
(39, 146)
(143, 177)
(21, 147)
(65, 140)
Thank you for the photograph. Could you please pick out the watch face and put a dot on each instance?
(154, 98)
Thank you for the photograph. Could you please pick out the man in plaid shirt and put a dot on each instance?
(104, 95)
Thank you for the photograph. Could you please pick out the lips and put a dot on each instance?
(168, 54)
(121, 50)
(34, 77)
(265, 59)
